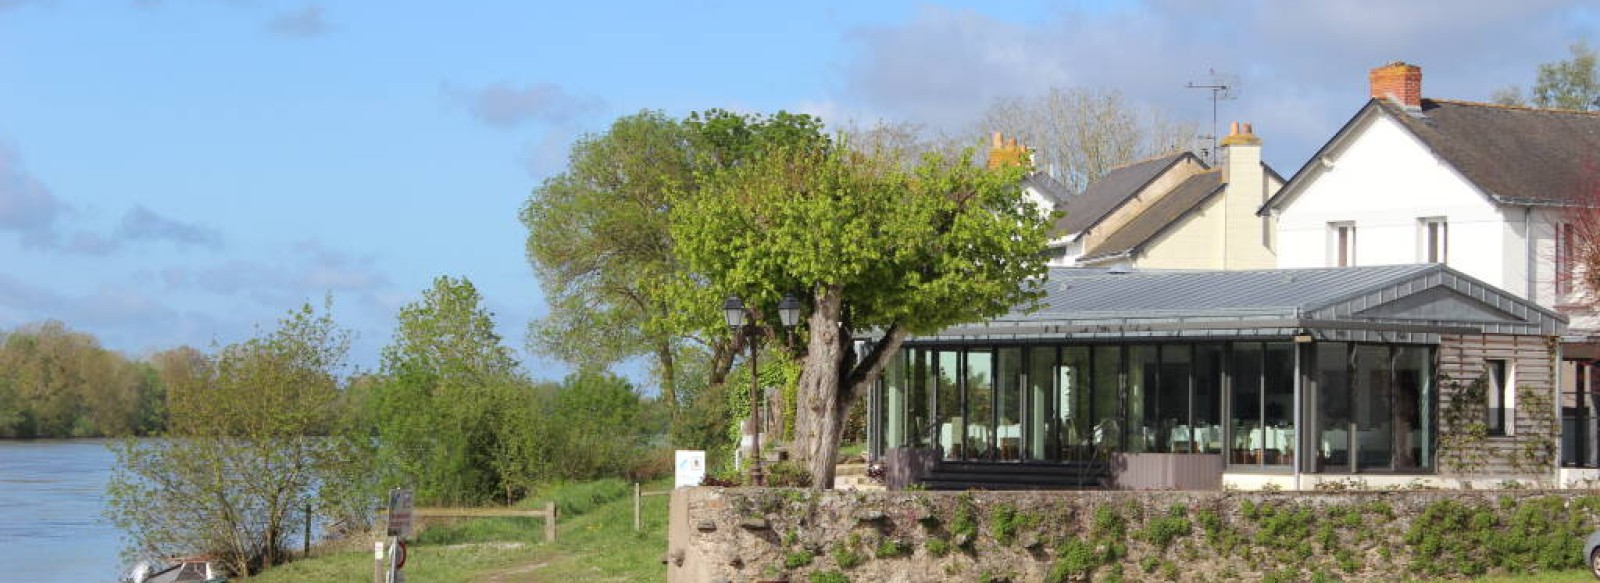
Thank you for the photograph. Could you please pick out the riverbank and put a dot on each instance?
(595, 542)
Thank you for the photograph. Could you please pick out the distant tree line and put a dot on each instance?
(56, 382)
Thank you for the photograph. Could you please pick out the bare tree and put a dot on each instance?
(1081, 134)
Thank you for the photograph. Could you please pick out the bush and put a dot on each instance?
(828, 577)
(797, 559)
(788, 475)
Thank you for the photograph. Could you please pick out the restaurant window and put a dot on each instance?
(1342, 244)
(1435, 244)
(1262, 413)
(1501, 405)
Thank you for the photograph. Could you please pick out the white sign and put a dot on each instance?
(691, 468)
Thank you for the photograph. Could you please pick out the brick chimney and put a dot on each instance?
(1400, 82)
(1003, 152)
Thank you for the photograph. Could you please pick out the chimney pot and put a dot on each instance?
(999, 140)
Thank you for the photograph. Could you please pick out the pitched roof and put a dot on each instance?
(1415, 297)
(1089, 207)
(1514, 154)
(1046, 185)
(1160, 215)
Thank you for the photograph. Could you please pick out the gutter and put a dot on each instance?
(1527, 234)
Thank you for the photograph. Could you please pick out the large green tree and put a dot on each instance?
(445, 382)
(877, 250)
(256, 434)
(600, 243)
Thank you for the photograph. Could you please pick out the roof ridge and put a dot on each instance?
(1528, 108)
(1169, 153)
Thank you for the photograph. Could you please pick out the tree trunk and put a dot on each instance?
(669, 380)
(815, 424)
(831, 382)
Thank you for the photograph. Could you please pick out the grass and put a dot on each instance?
(1558, 577)
(595, 542)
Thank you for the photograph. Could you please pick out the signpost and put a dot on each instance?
(690, 468)
(399, 527)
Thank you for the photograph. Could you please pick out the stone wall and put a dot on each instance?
(776, 534)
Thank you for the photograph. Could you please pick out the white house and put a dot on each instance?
(1482, 188)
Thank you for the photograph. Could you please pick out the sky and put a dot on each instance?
(186, 171)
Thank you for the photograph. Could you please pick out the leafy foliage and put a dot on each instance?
(254, 437)
(448, 390)
(871, 244)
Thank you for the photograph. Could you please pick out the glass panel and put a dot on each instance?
(917, 406)
(1144, 419)
(1008, 404)
(1333, 406)
(1245, 416)
(1041, 405)
(1075, 430)
(892, 405)
(1174, 431)
(1277, 420)
(1207, 415)
(1107, 399)
(1413, 393)
(1371, 401)
(980, 404)
(947, 399)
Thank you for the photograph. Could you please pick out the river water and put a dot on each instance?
(51, 497)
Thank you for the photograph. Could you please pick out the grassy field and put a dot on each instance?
(595, 541)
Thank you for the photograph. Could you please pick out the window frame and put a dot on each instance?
(1499, 397)
(1342, 244)
(1434, 240)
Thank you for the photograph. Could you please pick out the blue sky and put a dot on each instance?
(184, 171)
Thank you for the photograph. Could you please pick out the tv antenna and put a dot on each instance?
(1223, 87)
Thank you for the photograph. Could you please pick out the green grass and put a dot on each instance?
(1576, 576)
(595, 541)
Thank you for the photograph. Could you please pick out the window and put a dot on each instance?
(1435, 247)
(1566, 244)
(1341, 244)
(1501, 410)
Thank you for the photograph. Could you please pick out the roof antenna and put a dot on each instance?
(1224, 87)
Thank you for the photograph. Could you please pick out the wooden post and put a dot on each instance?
(636, 496)
(307, 552)
(378, 569)
(550, 522)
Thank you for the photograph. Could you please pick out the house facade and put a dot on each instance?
(1485, 189)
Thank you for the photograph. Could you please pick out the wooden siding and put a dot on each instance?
(1532, 360)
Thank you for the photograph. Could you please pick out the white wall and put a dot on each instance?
(1384, 180)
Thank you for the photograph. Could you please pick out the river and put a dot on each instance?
(51, 497)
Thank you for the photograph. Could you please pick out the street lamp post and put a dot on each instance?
(741, 320)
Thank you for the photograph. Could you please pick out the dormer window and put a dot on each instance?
(1434, 246)
(1342, 244)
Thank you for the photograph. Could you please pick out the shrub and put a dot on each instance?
(788, 475)
(828, 577)
(797, 559)
(890, 548)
